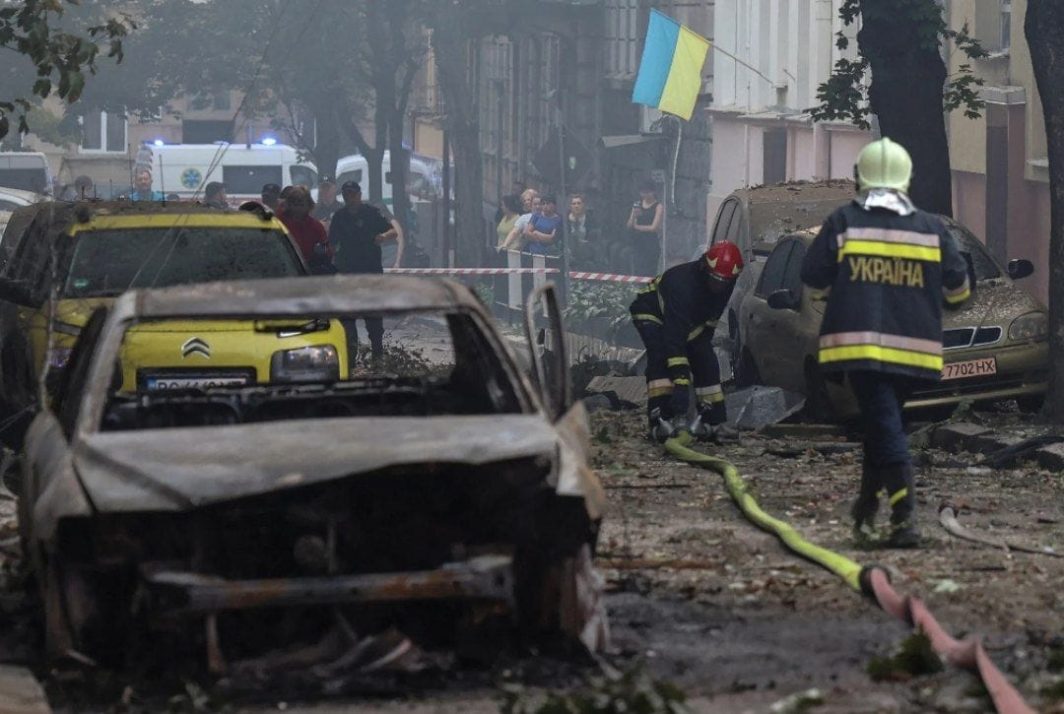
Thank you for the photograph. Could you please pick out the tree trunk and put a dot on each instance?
(449, 41)
(400, 168)
(1044, 29)
(327, 147)
(908, 77)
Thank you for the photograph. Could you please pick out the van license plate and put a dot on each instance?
(161, 384)
(970, 368)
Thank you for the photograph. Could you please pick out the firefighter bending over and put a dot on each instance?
(675, 317)
(889, 267)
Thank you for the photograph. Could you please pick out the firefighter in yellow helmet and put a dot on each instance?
(890, 268)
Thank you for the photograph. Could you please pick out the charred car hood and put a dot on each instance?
(178, 469)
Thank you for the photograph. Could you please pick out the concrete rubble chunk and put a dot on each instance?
(1051, 457)
(956, 437)
(758, 406)
(630, 391)
(20, 692)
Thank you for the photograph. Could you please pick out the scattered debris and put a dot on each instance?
(623, 392)
(635, 690)
(758, 406)
(915, 657)
(947, 516)
(947, 585)
(798, 702)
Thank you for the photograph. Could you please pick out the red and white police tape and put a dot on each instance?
(604, 277)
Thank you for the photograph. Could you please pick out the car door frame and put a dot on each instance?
(756, 314)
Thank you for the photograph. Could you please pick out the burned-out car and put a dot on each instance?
(438, 481)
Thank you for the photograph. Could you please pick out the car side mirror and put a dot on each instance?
(784, 300)
(16, 291)
(1020, 268)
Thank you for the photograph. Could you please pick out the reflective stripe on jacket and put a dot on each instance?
(889, 276)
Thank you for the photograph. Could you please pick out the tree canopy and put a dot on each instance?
(50, 54)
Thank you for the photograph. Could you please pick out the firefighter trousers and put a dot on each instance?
(669, 399)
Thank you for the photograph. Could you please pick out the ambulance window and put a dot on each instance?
(250, 179)
(775, 269)
(304, 176)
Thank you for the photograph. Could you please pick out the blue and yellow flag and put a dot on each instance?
(670, 73)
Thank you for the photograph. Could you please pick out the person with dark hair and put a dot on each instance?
(214, 195)
(511, 210)
(582, 236)
(357, 233)
(328, 205)
(271, 196)
(142, 190)
(644, 230)
(307, 232)
(545, 228)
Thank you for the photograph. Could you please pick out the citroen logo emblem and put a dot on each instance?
(196, 346)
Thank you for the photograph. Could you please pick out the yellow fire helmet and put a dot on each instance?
(884, 164)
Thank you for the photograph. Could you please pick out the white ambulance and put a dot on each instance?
(422, 182)
(186, 169)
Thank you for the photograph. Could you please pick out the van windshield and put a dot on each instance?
(35, 180)
(106, 263)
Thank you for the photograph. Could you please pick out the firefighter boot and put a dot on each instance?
(866, 506)
(900, 485)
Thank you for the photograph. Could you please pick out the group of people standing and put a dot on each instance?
(530, 222)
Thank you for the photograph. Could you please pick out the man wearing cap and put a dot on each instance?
(356, 233)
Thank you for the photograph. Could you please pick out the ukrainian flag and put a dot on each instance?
(670, 73)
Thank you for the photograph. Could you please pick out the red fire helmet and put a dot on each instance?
(724, 260)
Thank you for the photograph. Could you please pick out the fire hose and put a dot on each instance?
(870, 580)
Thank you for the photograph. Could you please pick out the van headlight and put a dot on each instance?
(319, 363)
(1032, 326)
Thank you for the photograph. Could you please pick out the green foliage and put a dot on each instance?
(56, 58)
(631, 692)
(914, 658)
(844, 96)
(590, 300)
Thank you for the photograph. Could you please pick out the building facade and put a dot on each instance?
(771, 56)
(1000, 165)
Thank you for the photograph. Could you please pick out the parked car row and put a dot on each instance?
(209, 453)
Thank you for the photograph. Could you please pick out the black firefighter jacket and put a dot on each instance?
(680, 299)
(888, 276)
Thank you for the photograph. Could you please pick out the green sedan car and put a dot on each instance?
(995, 346)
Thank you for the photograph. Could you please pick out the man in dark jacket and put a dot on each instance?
(889, 268)
(356, 234)
(675, 317)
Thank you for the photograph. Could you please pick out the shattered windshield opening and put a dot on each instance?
(106, 263)
(199, 372)
(985, 268)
